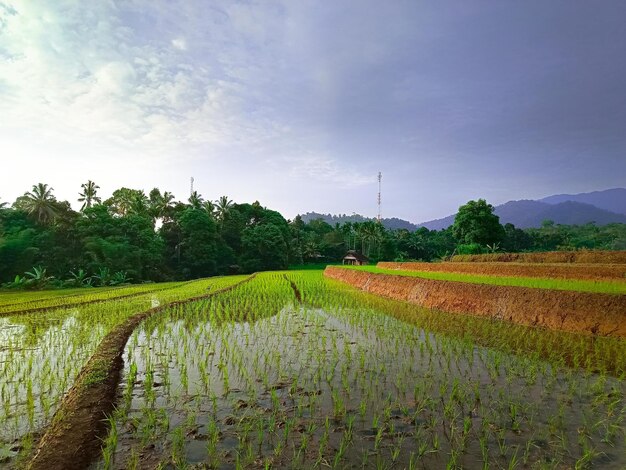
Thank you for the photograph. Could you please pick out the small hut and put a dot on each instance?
(354, 258)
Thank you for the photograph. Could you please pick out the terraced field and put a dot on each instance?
(296, 370)
(42, 352)
(579, 285)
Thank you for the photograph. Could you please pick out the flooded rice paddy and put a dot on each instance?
(42, 353)
(253, 378)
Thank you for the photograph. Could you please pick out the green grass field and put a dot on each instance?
(605, 287)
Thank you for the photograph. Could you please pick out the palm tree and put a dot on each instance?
(41, 202)
(88, 197)
(3, 205)
(139, 203)
(195, 200)
(222, 206)
(167, 202)
(160, 204)
(209, 207)
(126, 201)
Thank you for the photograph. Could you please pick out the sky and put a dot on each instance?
(299, 104)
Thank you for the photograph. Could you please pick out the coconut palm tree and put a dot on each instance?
(3, 205)
(209, 207)
(139, 203)
(41, 202)
(89, 195)
(160, 204)
(195, 200)
(127, 201)
(222, 206)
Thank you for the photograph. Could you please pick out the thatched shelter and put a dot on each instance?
(354, 258)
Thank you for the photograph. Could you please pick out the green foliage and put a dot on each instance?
(263, 248)
(475, 223)
(198, 246)
(470, 249)
(38, 278)
(134, 237)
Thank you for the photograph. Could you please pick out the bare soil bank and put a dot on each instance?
(582, 256)
(580, 312)
(545, 270)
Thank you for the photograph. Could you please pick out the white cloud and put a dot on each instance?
(325, 169)
(180, 44)
(103, 90)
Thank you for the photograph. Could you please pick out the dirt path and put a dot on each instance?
(73, 438)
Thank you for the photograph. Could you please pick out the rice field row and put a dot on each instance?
(254, 378)
(41, 353)
(580, 285)
(50, 299)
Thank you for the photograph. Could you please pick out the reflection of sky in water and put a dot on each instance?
(368, 359)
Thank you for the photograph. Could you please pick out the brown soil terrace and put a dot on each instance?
(579, 312)
(73, 438)
(581, 256)
(87, 302)
(546, 270)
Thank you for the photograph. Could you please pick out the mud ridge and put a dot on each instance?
(73, 438)
(593, 271)
(579, 312)
(296, 291)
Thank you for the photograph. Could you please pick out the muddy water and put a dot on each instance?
(37, 365)
(42, 353)
(351, 389)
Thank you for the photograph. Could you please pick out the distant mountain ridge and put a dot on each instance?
(568, 209)
(612, 200)
(601, 207)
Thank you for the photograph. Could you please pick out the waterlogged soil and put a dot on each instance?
(311, 388)
(42, 353)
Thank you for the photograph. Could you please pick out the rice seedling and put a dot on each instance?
(581, 285)
(345, 377)
(41, 353)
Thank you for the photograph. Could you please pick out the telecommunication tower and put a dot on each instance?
(380, 178)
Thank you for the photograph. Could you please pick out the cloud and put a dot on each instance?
(95, 73)
(323, 169)
(180, 44)
(314, 92)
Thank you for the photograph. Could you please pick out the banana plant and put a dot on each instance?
(103, 277)
(120, 277)
(17, 283)
(79, 278)
(38, 278)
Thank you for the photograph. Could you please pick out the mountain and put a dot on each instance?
(392, 223)
(558, 208)
(438, 224)
(600, 207)
(612, 200)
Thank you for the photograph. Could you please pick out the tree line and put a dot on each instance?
(136, 237)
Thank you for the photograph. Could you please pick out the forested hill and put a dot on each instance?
(390, 223)
(599, 207)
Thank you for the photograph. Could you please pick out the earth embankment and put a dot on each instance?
(580, 312)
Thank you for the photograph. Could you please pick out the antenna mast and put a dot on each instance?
(380, 177)
(191, 190)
